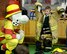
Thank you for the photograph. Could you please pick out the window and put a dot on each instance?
(47, 2)
(26, 1)
(33, 1)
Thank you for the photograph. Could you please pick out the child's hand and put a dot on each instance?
(21, 32)
(43, 37)
(20, 35)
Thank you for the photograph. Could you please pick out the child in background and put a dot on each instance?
(20, 49)
(47, 28)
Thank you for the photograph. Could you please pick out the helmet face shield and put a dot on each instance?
(39, 8)
(63, 15)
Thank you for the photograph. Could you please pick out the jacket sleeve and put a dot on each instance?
(54, 26)
(54, 29)
(39, 18)
(8, 30)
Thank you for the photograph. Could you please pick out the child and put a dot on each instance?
(20, 49)
(46, 30)
(48, 27)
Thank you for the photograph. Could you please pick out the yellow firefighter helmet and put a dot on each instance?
(57, 50)
(37, 3)
(12, 9)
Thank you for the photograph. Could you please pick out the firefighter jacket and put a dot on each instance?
(52, 22)
(8, 36)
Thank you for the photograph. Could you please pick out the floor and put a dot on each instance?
(32, 49)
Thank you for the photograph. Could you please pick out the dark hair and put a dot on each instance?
(21, 49)
(47, 7)
(24, 11)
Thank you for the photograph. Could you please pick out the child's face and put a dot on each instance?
(47, 11)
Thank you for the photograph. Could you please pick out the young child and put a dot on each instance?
(20, 49)
(46, 30)
(47, 25)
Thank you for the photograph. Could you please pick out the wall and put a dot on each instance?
(3, 4)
